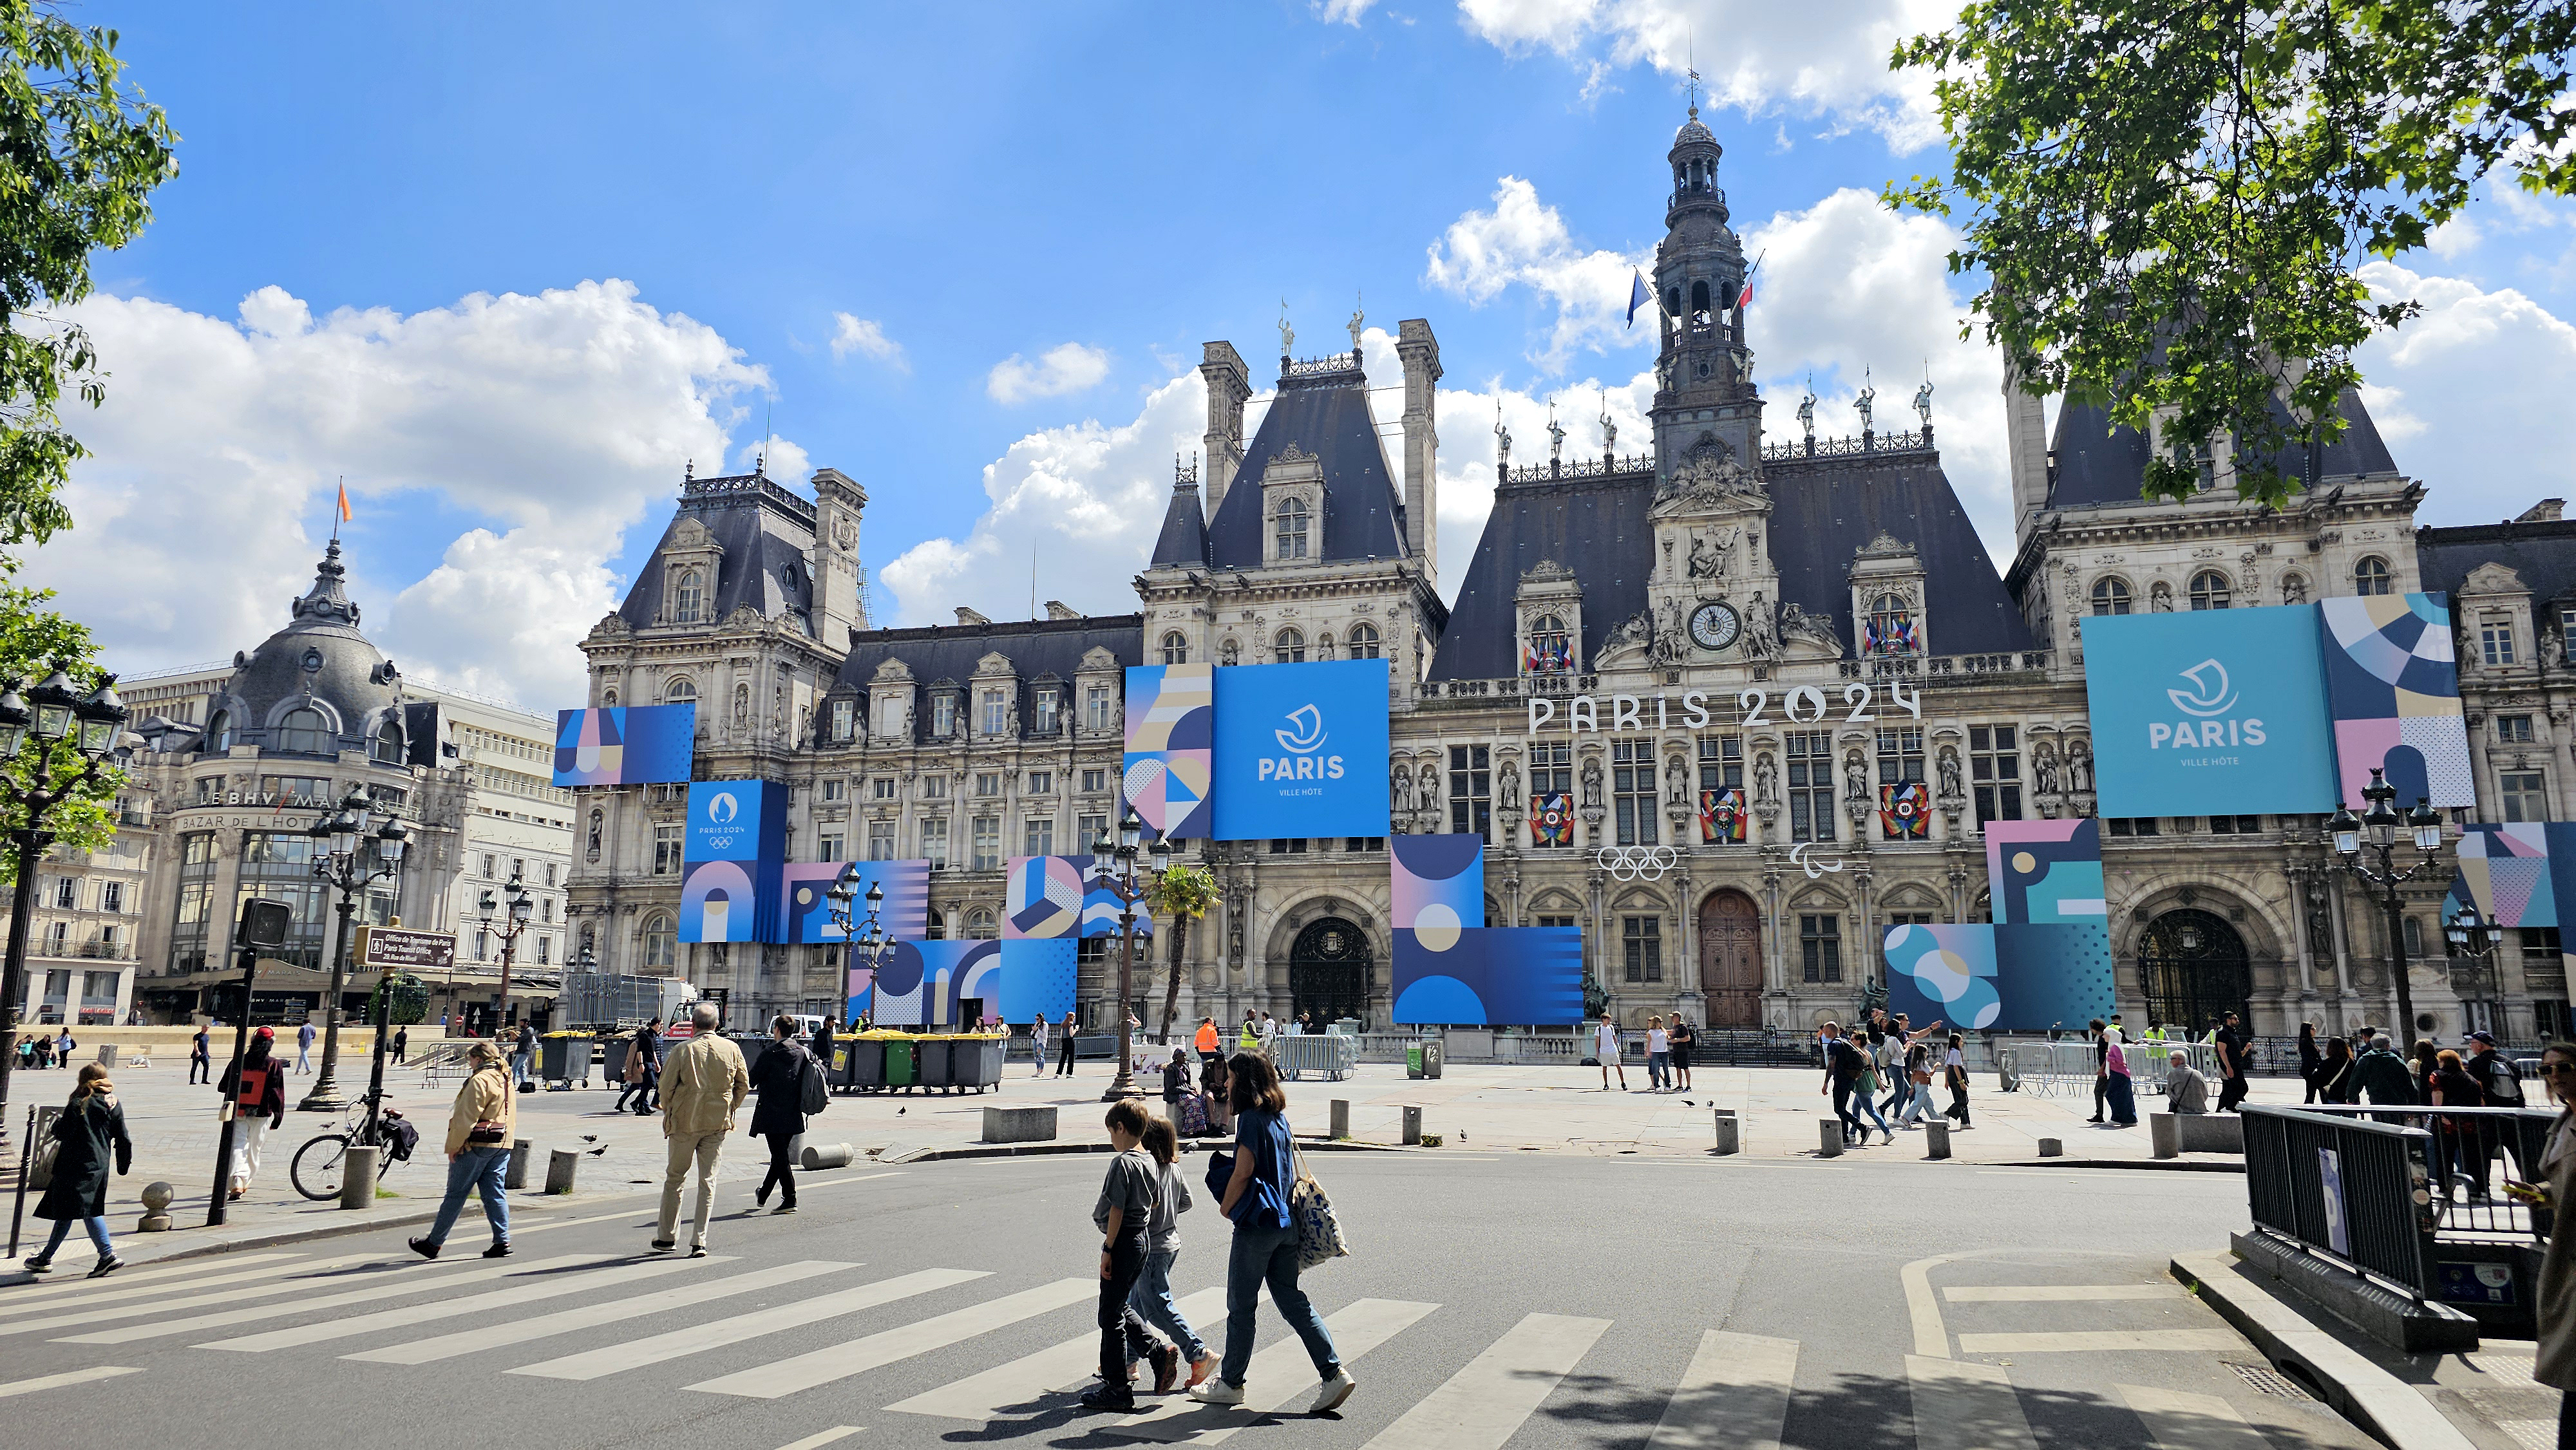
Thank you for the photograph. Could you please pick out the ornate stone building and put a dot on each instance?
(1733, 704)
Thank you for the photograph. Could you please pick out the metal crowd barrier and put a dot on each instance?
(1335, 1055)
(2344, 1187)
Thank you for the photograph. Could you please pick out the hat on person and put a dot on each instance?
(267, 1032)
(2486, 1037)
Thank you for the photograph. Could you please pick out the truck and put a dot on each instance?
(612, 1000)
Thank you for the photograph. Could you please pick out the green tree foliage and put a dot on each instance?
(1181, 895)
(33, 639)
(79, 156)
(2168, 199)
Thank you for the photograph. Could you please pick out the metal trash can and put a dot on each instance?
(935, 1059)
(1413, 1059)
(1433, 1054)
(565, 1060)
(977, 1062)
(867, 1063)
(898, 1063)
(613, 1052)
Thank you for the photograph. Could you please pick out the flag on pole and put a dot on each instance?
(1637, 294)
(344, 502)
(1746, 296)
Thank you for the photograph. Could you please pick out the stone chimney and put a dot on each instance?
(1057, 609)
(1420, 353)
(1229, 386)
(968, 616)
(2026, 439)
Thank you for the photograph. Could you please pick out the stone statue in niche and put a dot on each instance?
(2079, 766)
(1592, 780)
(2043, 764)
(1950, 774)
(2553, 649)
(1712, 553)
(1668, 631)
(1509, 798)
(1766, 778)
(1676, 781)
(1855, 777)
(2294, 589)
(1761, 629)
(1431, 794)
(1399, 789)
(2160, 598)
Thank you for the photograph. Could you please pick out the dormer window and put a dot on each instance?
(845, 719)
(688, 596)
(1890, 630)
(1551, 649)
(1363, 641)
(1291, 646)
(1046, 712)
(1176, 648)
(305, 732)
(2370, 576)
(219, 732)
(1291, 529)
(389, 744)
(943, 716)
(996, 711)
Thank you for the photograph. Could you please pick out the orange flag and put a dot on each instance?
(344, 503)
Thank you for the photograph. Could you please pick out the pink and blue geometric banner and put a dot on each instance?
(1438, 883)
(931, 983)
(1171, 748)
(2393, 689)
(1488, 976)
(625, 745)
(2046, 872)
(806, 911)
(2018, 977)
(1046, 897)
(731, 855)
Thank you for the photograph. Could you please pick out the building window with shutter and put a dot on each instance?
(1820, 948)
(1641, 947)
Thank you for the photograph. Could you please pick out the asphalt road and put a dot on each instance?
(1510, 1300)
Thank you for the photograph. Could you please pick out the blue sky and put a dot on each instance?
(969, 255)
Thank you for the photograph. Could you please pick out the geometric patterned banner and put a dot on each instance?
(624, 745)
(1439, 883)
(1171, 748)
(2393, 690)
(1046, 897)
(806, 905)
(2049, 872)
(929, 983)
(1492, 976)
(2015, 977)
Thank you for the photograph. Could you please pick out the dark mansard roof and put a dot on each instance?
(2542, 552)
(1324, 412)
(1036, 648)
(764, 531)
(2097, 464)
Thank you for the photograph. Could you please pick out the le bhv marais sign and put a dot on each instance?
(1799, 705)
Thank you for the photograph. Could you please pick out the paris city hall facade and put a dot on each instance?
(1731, 704)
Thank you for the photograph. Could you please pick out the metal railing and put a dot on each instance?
(1332, 1054)
(2346, 1188)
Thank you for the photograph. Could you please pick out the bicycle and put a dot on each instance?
(316, 1170)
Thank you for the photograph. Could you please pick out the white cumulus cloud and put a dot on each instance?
(1825, 60)
(866, 337)
(1065, 368)
(2467, 394)
(1524, 241)
(1346, 12)
(557, 418)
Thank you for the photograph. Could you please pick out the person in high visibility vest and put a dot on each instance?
(1206, 1041)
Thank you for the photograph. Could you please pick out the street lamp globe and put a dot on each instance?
(102, 717)
(1104, 844)
(484, 906)
(13, 719)
(2426, 823)
(391, 838)
(875, 898)
(1130, 831)
(54, 701)
(1161, 853)
(2346, 828)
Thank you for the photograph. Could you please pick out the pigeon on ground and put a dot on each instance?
(595, 1152)
(899, 1112)
(590, 1137)
(1686, 1102)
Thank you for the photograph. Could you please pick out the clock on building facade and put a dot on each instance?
(1715, 626)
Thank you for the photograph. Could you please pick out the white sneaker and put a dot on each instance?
(1330, 1394)
(1215, 1391)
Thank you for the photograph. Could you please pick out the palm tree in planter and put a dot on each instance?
(1180, 895)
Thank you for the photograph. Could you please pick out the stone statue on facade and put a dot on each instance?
(1807, 410)
(2079, 766)
(1711, 553)
(1287, 334)
(2160, 598)
(1766, 778)
(2043, 764)
(1555, 433)
(1609, 430)
(1863, 403)
(1635, 629)
(1815, 629)
(1431, 795)
(1592, 780)
(2294, 589)
(1855, 777)
(1676, 781)
(1502, 437)
(1668, 631)
(1399, 789)
(1509, 798)
(1923, 404)
(1950, 774)
(1761, 629)
(1357, 319)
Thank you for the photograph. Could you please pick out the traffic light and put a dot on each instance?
(264, 923)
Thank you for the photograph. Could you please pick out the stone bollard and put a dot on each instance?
(107, 1056)
(559, 1170)
(1829, 1137)
(833, 1155)
(516, 1176)
(1728, 1140)
(1413, 1126)
(156, 1208)
(2164, 1135)
(1341, 1119)
(358, 1176)
(2052, 1148)
(1936, 1137)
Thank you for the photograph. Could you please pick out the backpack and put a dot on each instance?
(818, 1093)
(1194, 1116)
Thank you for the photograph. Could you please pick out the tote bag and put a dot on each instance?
(1319, 1231)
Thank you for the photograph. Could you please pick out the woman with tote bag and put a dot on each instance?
(1260, 1193)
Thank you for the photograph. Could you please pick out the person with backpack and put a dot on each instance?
(1256, 1191)
(2502, 1083)
(89, 1133)
(257, 1087)
(789, 1083)
(479, 1132)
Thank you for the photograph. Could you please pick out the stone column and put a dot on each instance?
(1774, 971)
(2299, 888)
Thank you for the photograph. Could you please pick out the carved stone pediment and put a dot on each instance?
(2493, 578)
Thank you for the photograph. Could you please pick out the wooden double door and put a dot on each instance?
(1730, 959)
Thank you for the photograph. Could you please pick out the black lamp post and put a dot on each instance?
(2474, 940)
(514, 919)
(342, 860)
(2374, 833)
(867, 941)
(51, 712)
(1129, 887)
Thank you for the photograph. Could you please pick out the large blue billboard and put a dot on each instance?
(1301, 750)
(624, 745)
(2212, 712)
(731, 856)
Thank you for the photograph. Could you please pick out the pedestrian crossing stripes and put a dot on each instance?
(1735, 1392)
(40, 1291)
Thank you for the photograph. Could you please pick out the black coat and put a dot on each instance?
(778, 1079)
(89, 1130)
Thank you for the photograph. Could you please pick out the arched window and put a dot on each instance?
(1551, 650)
(1229, 654)
(608, 698)
(979, 925)
(1362, 641)
(658, 943)
(2370, 576)
(2210, 589)
(2110, 596)
(305, 732)
(219, 732)
(678, 692)
(1176, 648)
(1291, 646)
(688, 596)
(389, 743)
(1292, 528)
(1891, 627)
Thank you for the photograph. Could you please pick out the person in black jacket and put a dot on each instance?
(90, 1129)
(778, 1079)
(257, 1087)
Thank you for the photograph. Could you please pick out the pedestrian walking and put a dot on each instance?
(1659, 1055)
(2501, 1081)
(2382, 1075)
(788, 1079)
(257, 1086)
(401, 1044)
(1248, 1039)
(2555, 1364)
(2455, 1135)
(1918, 1083)
(200, 1059)
(1269, 1037)
(2311, 1058)
(2232, 1064)
(1954, 1070)
(2120, 1092)
(1605, 1049)
(89, 1135)
(703, 1085)
(1123, 1215)
(523, 1057)
(480, 1128)
(2101, 1066)
(1842, 1069)
(1865, 1094)
(648, 1052)
(64, 1047)
(630, 1077)
(1038, 1044)
(1258, 1192)
(304, 1036)
(2334, 1072)
(1682, 1038)
(1152, 1296)
(1064, 1065)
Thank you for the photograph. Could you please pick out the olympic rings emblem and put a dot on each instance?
(1636, 863)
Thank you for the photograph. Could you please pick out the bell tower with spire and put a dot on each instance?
(1703, 384)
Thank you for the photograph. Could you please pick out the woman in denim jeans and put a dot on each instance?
(1265, 1243)
(486, 1102)
(1152, 1297)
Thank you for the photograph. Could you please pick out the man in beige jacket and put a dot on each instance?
(703, 1082)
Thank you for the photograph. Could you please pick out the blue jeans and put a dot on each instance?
(1152, 1301)
(1659, 1069)
(1866, 1101)
(1269, 1255)
(475, 1168)
(97, 1226)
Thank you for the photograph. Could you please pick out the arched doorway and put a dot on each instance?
(1730, 959)
(2192, 968)
(1328, 971)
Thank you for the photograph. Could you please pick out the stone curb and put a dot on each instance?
(361, 1223)
(2382, 1405)
(2149, 1165)
(1043, 1150)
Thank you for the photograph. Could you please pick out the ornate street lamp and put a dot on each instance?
(1125, 883)
(868, 943)
(52, 712)
(512, 913)
(342, 860)
(2375, 833)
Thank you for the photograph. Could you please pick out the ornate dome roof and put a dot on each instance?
(319, 655)
(1693, 133)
